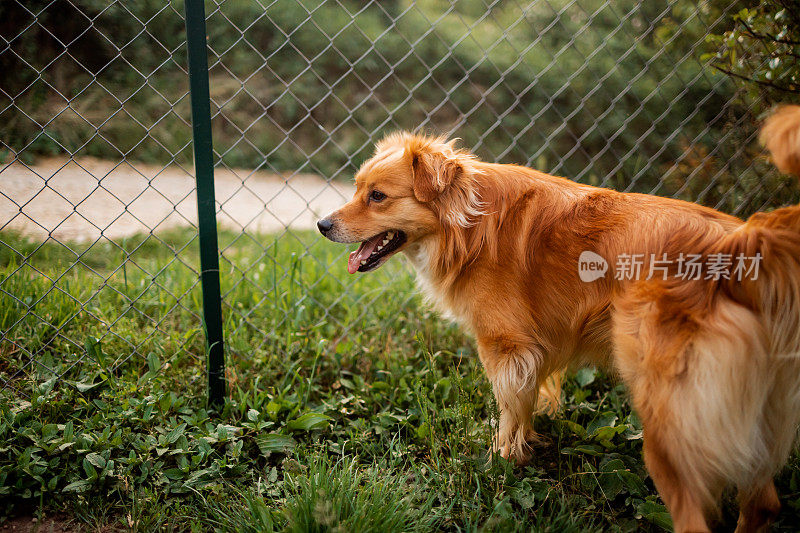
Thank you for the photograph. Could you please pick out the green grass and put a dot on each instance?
(351, 406)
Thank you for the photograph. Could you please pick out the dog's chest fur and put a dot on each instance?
(419, 254)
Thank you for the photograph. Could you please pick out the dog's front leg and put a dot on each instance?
(514, 372)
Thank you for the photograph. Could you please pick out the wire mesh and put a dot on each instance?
(97, 207)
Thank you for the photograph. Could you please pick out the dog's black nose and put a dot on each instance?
(324, 225)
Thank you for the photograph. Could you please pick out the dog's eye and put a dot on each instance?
(376, 196)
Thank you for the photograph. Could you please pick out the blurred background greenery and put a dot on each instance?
(659, 97)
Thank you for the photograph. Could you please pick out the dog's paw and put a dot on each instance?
(518, 453)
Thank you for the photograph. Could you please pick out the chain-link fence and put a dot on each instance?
(98, 218)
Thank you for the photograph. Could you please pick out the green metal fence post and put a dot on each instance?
(206, 208)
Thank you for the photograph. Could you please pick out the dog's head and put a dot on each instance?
(404, 193)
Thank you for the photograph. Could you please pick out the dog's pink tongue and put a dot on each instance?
(364, 251)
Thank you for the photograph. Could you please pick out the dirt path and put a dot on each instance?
(88, 198)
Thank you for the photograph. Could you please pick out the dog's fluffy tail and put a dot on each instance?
(781, 135)
(775, 238)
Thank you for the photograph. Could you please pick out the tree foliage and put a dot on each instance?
(762, 50)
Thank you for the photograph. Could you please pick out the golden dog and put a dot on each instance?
(548, 273)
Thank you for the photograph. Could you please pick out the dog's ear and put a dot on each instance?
(433, 173)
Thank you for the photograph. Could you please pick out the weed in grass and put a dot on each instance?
(344, 496)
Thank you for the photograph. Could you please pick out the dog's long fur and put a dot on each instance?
(713, 366)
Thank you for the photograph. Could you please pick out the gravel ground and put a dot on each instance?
(87, 199)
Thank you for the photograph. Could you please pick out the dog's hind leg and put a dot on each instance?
(699, 383)
(550, 393)
(680, 498)
(758, 499)
(758, 507)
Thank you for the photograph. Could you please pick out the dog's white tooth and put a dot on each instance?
(379, 247)
(385, 241)
(364, 262)
(390, 235)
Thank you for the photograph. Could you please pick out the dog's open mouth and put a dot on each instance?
(374, 251)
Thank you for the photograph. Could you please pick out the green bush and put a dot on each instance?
(761, 51)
